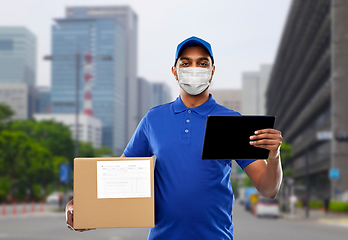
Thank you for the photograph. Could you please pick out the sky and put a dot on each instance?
(244, 34)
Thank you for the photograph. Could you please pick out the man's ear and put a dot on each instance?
(212, 73)
(174, 73)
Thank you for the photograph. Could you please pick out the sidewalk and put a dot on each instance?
(332, 218)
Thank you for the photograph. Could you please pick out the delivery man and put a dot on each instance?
(193, 198)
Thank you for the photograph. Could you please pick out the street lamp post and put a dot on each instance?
(77, 127)
(77, 86)
(77, 79)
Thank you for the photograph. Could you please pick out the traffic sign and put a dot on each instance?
(334, 173)
(324, 135)
(64, 173)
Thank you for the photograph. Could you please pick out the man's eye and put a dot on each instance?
(184, 64)
(204, 64)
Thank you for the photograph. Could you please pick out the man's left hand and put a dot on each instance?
(270, 139)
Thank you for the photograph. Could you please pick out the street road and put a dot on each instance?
(51, 226)
(247, 227)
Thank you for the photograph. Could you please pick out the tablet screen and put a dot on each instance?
(227, 137)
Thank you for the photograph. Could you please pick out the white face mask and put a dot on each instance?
(194, 80)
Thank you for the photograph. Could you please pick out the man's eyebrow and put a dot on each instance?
(184, 58)
(200, 59)
(203, 58)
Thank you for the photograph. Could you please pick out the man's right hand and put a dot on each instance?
(69, 217)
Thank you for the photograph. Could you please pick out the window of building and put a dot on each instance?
(6, 44)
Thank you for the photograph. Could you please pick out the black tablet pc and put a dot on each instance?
(227, 137)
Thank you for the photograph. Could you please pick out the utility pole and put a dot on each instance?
(307, 183)
(77, 86)
(77, 128)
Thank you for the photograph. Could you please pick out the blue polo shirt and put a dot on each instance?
(193, 197)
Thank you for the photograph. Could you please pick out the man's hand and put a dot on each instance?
(270, 139)
(69, 217)
(266, 177)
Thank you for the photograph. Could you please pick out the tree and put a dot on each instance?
(24, 161)
(285, 155)
(5, 112)
(12, 146)
(285, 152)
(103, 151)
(37, 169)
(235, 187)
(54, 136)
(247, 182)
(5, 115)
(4, 188)
(86, 149)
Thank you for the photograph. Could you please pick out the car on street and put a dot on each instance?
(267, 208)
(53, 198)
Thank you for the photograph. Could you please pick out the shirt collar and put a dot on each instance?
(202, 109)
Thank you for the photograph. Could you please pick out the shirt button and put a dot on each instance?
(187, 120)
(186, 131)
(189, 111)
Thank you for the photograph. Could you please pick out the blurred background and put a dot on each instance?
(76, 77)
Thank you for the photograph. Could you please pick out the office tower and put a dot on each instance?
(128, 19)
(105, 39)
(18, 97)
(18, 67)
(145, 95)
(43, 100)
(254, 84)
(308, 94)
(230, 98)
(161, 93)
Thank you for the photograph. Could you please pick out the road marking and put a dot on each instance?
(342, 222)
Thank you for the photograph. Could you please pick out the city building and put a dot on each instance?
(254, 85)
(19, 97)
(230, 98)
(161, 93)
(145, 96)
(43, 100)
(307, 92)
(109, 35)
(128, 19)
(18, 67)
(151, 94)
(90, 128)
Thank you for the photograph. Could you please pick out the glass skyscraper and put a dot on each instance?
(43, 100)
(17, 55)
(18, 70)
(100, 37)
(128, 20)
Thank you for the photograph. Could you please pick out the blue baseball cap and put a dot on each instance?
(193, 41)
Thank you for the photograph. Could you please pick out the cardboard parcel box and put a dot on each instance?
(113, 193)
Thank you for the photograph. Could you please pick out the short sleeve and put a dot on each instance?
(138, 146)
(244, 163)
